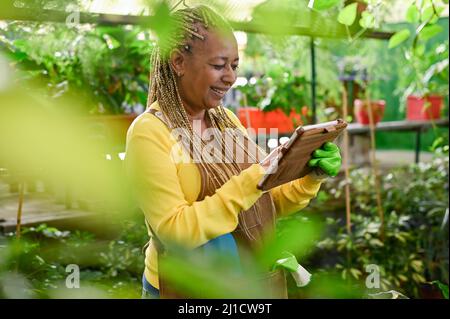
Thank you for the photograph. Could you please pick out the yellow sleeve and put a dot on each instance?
(293, 196)
(296, 195)
(153, 174)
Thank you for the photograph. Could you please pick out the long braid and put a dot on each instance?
(164, 89)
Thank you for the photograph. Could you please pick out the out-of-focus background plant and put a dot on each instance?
(414, 250)
(104, 68)
(425, 74)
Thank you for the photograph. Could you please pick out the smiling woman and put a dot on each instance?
(209, 202)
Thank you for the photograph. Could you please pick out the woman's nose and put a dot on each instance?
(229, 76)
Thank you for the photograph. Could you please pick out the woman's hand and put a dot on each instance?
(327, 158)
(265, 163)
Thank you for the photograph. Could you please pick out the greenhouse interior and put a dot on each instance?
(92, 91)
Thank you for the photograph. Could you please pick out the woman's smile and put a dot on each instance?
(219, 92)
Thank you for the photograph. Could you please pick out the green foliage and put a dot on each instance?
(111, 268)
(426, 70)
(347, 15)
(288, 91)
(253, 91)
(104, 68)
(423, 15)
(124, 255)
(414, 249)
(367, 20)
(442, 287)
(281, 72)
(279, 89)
(288, 239)
(368, 14)
(49, 5)
(324, 4)
(209, 275)
(399, 37)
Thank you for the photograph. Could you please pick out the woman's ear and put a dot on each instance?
(177, 62)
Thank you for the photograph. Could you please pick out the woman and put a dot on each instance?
(199, 202)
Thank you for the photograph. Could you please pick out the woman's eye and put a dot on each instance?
(221, 66)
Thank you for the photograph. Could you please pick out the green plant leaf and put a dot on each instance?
(164, 25)
(427, 14)
(376, 242)
(324, 4)
(18, 56)
(356, 273)
(111, 42)
(367, 20)
(398, 38)
(348, 15)
(430, 31)
(419, 50)
(436, 143)
(442, 287)
(417, 265)
(418, 278)
(412, 15)
(437, 15)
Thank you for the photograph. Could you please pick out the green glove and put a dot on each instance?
(327, 158)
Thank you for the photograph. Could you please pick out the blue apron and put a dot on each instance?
(223, 245)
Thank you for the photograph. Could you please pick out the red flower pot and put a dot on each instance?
(255, 118)
(416, 109)
(251, 117)
(362, 114)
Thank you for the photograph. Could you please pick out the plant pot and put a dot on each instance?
(257, 119)
(251, 117)
(429, 291)
(424, 108)
(362, 114)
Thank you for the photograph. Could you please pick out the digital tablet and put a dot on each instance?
(292, 160)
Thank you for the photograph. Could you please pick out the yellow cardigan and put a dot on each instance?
(167, 190)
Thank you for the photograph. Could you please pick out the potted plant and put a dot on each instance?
(283, 102)
(354, 73)
(288, 98)
(362, 113)
(250, 115)
(425, 93)
(423, 82)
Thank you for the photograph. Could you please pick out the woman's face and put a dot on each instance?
(208, 71)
